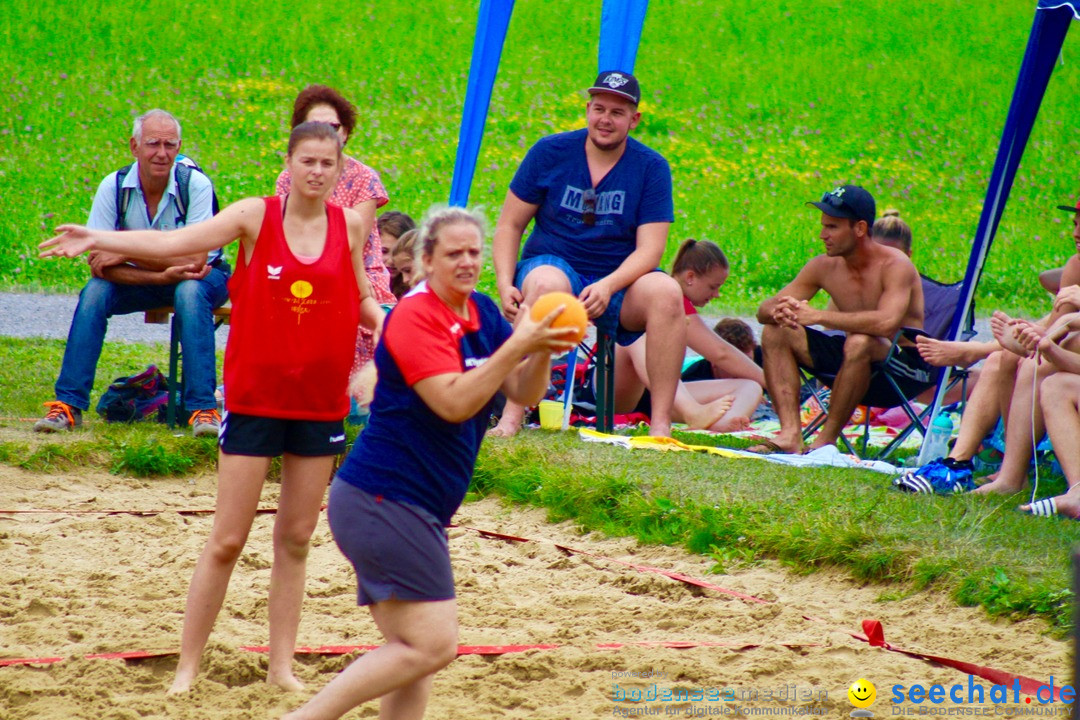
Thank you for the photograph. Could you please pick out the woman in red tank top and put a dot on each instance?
(299, 290)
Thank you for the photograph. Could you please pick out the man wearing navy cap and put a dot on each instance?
(602, 204)
(876, 291)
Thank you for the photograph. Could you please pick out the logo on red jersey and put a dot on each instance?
(301, 301)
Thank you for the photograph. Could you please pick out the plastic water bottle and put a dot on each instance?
(937, 439)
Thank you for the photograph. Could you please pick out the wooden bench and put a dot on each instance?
(162, 315)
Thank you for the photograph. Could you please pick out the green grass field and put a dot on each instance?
(758, 107)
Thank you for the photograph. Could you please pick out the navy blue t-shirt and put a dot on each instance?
(555, 175)
(406, 452)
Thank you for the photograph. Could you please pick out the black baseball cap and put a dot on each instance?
(848, 201)
(1070, 208)
(618, 83)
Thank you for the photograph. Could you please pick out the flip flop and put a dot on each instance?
(1046, 507)
(913, 484)
(932, 484)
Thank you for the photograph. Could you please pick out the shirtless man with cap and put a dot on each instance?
(876, 291)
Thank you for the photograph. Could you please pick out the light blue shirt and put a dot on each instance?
(200, 205)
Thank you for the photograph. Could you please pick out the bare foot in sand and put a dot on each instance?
(704, 416)
(181, 684)
(1005, 330)
(285, 681)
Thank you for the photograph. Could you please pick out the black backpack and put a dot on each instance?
(182, 171)
(138, 397)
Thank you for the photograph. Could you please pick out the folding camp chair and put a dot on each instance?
(941, 302)
(593, 388)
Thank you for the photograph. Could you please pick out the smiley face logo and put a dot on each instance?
(301, 289)
(862, 693)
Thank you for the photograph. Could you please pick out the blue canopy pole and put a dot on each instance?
(1052, 18)
(491, 27)
(620, 33)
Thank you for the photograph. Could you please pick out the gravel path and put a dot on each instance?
(48, 316)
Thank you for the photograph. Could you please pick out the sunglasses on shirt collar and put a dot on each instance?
(588, 207)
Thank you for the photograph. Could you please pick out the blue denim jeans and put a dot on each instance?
(100, 299)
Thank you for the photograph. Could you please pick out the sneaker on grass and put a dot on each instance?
(60, 416)
(943, 476)
(205, 422)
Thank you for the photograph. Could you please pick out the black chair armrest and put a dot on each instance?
(910, 333)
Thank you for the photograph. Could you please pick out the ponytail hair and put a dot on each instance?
(701, 256)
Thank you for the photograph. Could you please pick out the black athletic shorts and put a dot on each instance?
(907, 368)
(269, 437)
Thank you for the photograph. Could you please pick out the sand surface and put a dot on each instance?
(76, 584)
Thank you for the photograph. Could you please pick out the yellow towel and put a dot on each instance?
(645, 442)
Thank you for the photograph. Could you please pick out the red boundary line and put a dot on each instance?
(462, 650)
(873, 635)
(685, 579)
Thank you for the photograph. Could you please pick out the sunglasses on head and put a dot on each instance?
(834, 201)
(588, 207)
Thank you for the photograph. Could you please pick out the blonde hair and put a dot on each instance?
(891, 228)
(440, 217)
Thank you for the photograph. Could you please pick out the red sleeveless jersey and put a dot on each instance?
(293, 326)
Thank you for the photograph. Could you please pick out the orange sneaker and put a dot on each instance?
(61, 416)
(205, 422)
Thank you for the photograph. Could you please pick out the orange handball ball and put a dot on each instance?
(573, 315)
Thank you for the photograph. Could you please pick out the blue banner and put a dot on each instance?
(621, 22)
(491, 26)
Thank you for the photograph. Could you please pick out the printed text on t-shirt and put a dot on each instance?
(607, 203)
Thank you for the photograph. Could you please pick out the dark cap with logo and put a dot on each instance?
(1070, 208)
(848, 201)
(618, 83)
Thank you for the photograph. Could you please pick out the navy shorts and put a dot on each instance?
(258, 436)
(907, 368)
(399, 551)
(609, 321)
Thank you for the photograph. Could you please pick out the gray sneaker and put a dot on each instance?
(205, 422)
(61, 416)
